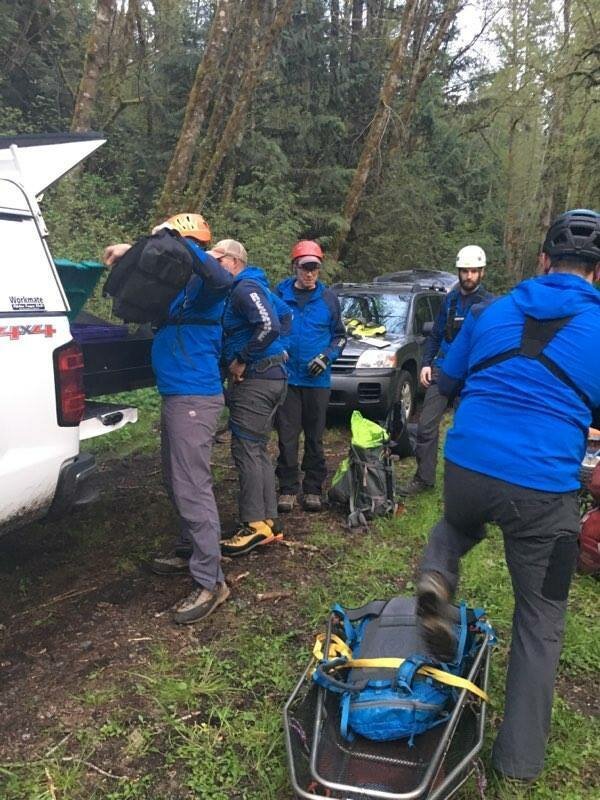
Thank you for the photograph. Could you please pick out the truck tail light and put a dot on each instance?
(68, 376)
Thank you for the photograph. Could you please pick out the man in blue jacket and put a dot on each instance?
(530, 364)
(470, 263)
(253, 353)
(316, 339)
(185, 358)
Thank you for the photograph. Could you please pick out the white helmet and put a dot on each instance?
(470, 257)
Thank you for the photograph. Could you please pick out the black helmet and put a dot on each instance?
(575, 233)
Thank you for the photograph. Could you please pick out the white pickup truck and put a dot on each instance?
(44, 414)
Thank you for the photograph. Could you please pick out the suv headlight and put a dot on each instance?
(376, 359)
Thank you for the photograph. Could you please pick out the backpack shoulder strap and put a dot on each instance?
(536, 336)
(449, 329)
(372, 609)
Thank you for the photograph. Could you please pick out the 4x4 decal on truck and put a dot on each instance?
(14, 332)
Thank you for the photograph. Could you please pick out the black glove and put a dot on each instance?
(318, 365)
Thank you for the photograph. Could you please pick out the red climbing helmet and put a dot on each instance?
(306, 247)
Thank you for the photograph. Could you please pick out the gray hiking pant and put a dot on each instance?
(188, 426)
(428, 431)
(252, 406)
(540, 532)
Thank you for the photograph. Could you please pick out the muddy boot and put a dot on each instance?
(312, 502)
(199, 604)
(435, 625)
(172, 564)
(413, 487)
(516, 784)
(286, 503)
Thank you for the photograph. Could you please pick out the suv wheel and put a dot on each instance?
(405, 393)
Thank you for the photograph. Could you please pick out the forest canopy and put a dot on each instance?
(394, 133)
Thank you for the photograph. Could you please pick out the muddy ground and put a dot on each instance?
(78, 598)
(78, 601)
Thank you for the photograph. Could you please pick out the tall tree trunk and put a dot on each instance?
(356, 27)
(425, 54)
(424, 60)
(522, 153)
(94, 62)
(378, 125)
(121, 49)
(553, 180)
(334, 51)
(576, 164)
(375, 10)
(197, 106)
(238, 112)
(511, 227)
(242, 49)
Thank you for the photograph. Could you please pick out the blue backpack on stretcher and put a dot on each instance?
(389, 688)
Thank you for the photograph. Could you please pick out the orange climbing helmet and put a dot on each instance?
(306, 247)
(192, 225)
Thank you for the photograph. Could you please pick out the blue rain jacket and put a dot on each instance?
(317, 328)
(517, 421)
(186, 350)
(436, 345)
(253, 319)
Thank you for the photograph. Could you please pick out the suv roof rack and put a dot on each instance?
(432, 287)
(417, 286)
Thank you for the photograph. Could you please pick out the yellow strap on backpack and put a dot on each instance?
(431, 672)
(337, 648)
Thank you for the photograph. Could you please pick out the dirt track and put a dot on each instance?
(82, 613)
(79, 600)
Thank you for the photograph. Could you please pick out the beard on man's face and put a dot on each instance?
(468, 283)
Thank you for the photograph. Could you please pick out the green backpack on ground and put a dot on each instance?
(364, 481)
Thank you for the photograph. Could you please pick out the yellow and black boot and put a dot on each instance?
(249, 536)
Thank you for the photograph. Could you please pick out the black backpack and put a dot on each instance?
(146, 280)
(364, 481)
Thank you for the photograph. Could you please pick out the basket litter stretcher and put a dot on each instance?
(322, 763)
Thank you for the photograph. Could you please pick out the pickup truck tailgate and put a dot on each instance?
(101, 418)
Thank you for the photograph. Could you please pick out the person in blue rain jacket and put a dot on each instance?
(316, 339)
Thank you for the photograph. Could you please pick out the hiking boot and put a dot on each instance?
(199, 604)
(312, 502)
(170, 565)
(255, 534)
(233, 530)
(275, 525)
(414, 486)
(435, 625)
(286, 503)
(509, 780)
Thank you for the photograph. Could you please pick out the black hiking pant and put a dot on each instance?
(434, 407)
(304, 409)
(540, 532)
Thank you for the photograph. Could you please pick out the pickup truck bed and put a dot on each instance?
(115, 360)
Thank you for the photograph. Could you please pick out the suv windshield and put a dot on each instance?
(376, 309)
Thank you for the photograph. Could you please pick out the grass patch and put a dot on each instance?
(195, 721)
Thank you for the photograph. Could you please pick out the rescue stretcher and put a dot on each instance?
(323, 764)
